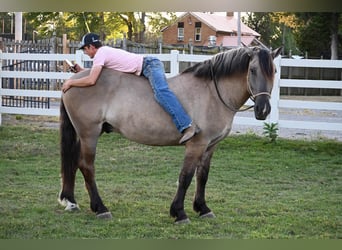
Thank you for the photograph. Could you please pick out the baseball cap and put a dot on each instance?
(88, 39)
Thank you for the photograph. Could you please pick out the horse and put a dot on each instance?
(212, 92)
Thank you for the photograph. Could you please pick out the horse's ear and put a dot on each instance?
(277, 52)
(248, 49)
(244, 45)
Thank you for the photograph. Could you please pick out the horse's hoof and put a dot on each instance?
(105, 215)
(72, 207)
(209, 215)
(184, 221)
(69, 206)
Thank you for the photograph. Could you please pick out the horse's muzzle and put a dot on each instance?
(262, 107)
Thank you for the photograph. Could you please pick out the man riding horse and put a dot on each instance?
(150, 67)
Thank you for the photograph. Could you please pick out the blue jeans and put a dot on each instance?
(153, 70)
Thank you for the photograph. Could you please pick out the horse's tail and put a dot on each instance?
(70, 148)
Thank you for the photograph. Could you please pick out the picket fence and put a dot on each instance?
(175, 58)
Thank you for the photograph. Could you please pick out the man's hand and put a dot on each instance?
(66, 85)
(77, 68)
(85, 81)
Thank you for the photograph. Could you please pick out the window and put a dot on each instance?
(197, 34)
(198, 26)
(180, 36)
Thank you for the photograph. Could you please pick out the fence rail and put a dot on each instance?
(174, 59)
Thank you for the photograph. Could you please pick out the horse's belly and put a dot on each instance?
(151, 126)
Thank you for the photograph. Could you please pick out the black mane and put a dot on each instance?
(231, 62)
(266, 62)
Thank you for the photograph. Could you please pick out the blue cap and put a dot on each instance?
(88, 39)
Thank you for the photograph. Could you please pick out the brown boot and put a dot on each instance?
(189, 133)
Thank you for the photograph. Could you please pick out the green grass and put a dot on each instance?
(287, 189)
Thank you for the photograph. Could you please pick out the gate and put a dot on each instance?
(42, 47)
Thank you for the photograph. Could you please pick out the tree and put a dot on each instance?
(286, 23)
(334, 35)
(109, 25)
(6, 20)
(45, 23)
(262, 23)
(80, 23)
(318, 33)
(158, 21)
(134, 22)
(276, 29)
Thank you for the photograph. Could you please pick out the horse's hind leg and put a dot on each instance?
(202, 173)
(87, 158)
(66, 196)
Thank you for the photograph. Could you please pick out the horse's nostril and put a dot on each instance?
(261, 110)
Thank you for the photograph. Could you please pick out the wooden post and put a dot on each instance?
(275, 95)
(65, 51)
(79, 58)
(174, 64)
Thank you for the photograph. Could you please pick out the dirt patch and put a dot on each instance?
(31, 120)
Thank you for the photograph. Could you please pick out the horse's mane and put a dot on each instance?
(231, 62)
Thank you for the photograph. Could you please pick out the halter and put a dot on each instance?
(252, 96)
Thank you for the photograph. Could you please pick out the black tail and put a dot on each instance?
(70, 152)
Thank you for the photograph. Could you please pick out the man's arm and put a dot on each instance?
(84, 81)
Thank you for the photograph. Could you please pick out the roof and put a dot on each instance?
(232, 41)
(227, 24)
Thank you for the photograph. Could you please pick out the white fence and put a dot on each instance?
(175, 58)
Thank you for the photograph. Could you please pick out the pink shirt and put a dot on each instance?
(118, 59)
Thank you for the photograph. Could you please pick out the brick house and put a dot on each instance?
(202, 29)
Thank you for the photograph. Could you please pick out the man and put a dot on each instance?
(150, 67)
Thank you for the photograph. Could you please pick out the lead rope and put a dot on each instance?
(221, 99)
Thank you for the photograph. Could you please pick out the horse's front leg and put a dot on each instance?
(88, 150)
(192, 158)
(202, 173)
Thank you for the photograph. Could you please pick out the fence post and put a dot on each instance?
(275, 95)
(174, 64)
(0, 87)
(79, 58)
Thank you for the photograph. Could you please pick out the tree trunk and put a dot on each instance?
(142, 27)
(129, 25)
(334, 36)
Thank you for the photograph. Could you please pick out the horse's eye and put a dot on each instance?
(253, 71)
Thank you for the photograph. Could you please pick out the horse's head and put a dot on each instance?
(260, 79)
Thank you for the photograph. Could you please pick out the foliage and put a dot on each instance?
(310, 32)
(45, 23)
(318, 34)
(158, 21)
(276, 29)
(271, 131)
(6, 20)
(109, 25)
(262, 23)
(291, 189)
(315, 32)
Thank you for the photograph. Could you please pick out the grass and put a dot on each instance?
(286, 189)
